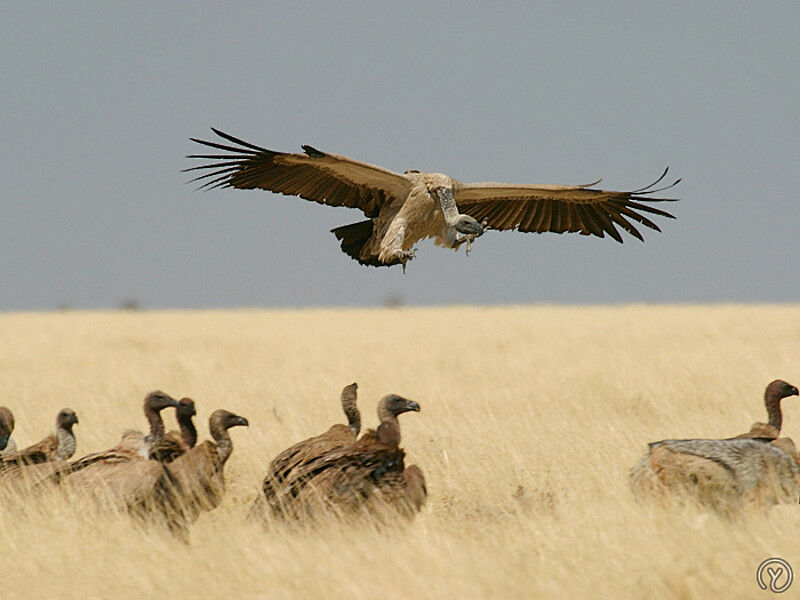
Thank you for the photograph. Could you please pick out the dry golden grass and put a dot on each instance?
(558, 400)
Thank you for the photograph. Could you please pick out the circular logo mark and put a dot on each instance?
(775, 575)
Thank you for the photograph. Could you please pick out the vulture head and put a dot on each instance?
(66, 419)
(780, 389)
(468, 225)
(222, 420)
(158, 400)
(185, 408)
(393, 405)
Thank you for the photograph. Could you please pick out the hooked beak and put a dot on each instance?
(241, 421)
(413, 406)
(470, 227)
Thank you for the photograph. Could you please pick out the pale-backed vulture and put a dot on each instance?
(55, 447)
(337, 436)
(193, 482)
(403, 209)
(133, 446)
(369, 475)
(7, 443)
(722, 475)
(771, 430)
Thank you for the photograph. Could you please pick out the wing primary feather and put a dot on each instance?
(649, 209)
(666, 187)
(656, 182)
(207, 175)
(219, 146)
(589, 222)
(626, 225)
(607, 224)
(222, 156)
(236, 140)
(631, 214)
(233, 163)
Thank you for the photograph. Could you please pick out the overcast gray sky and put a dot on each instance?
(99, 99)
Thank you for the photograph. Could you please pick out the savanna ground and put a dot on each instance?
(531, 418)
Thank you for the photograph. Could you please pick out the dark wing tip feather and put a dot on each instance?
(230, 138)
(656, 182)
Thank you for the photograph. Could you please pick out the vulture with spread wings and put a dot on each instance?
(403, 209)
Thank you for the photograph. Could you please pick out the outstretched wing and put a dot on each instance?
(560, 208)
(325, 178)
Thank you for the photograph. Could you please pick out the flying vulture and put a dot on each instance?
(403, 209)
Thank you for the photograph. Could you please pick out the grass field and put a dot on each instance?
(531, 418)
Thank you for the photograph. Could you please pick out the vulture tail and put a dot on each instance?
(353, 238)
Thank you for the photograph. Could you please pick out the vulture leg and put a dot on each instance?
(391, 250)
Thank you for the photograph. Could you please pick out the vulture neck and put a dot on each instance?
(388, 433)
(389, 430)
(224, 443)
(188, 430)
(156, 423)
(772, 400)
(351, 412)
(66, 443)
(449, 207)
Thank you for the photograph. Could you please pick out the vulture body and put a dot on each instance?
(405, 208)
(369, 475)
(55, 447)
(113, 465)
(771, 430)
(301, 453)
(194, 482)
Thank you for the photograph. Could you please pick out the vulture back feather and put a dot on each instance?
(368, 475)
(134, 446)
(58, 446)
(296, 456)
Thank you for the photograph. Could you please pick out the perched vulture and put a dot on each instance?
(369, 475)
(294, 457)
(403, 209)
(58, 446)
(771, 430)
(7, 443)
(193, 482)
(134, 446)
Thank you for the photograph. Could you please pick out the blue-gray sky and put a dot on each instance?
(99, 99)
